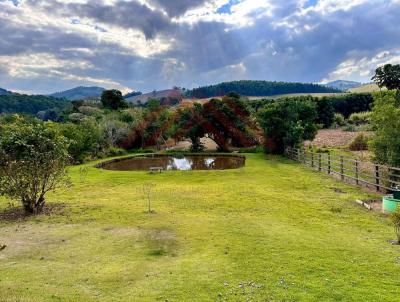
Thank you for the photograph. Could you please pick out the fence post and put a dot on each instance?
(356, 171)
(304, 156)
(329, 163)
(312, 158)
(341, 168)
(319, 162)
(377, 180)
(298, 155)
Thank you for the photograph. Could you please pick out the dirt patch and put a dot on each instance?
(12, 214)
(327, 138)
(19, 239)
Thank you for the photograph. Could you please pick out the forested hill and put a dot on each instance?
(258, 88)
(30, 104)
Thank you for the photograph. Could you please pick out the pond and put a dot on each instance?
(176, 162)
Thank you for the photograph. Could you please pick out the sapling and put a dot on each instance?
(147, 188)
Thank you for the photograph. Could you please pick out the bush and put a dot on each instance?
(349, 128)
(114, 151)
(360, 118)
(360, 143)
(339, 120)
(33, 160)
(395, 217)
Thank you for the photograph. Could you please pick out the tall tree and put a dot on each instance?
(112, 99)
(287, 123)
(388, 76)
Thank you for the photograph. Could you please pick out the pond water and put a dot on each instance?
(174, 162)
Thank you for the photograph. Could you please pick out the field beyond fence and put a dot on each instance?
(381, 178)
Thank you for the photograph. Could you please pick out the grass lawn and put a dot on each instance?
(270, 231)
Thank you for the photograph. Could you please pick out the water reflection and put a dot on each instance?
(181, 163)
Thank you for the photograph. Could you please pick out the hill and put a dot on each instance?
(258, 88)
(30, 104)
(343, 85)
(365, 88)
(4, 92)
(80, 93)
(144, 98)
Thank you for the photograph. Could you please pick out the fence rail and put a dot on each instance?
(362, 173)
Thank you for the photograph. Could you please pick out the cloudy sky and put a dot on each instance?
(53, 45)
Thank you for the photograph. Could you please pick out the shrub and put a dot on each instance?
(349, 128)
(395, 217)
(33, 160)
(114, 151)
(360, 118)
(360, 143)
(339, 120)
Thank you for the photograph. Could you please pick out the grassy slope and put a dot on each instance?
(272, 223)
(365, 88)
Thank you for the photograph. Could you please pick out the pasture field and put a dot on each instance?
(272, 231)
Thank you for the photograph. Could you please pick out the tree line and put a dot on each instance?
(257, 88)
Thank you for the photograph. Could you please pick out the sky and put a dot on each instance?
(54, 45)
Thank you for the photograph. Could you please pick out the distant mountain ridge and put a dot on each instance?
(80, 93)
(4, 92)
(258, 88)
(343, 85)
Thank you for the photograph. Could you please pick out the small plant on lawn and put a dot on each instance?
(395, 217)
(2, 246)
(147, 189)
(360, 143)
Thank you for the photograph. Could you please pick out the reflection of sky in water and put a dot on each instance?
(182, 164)
(209, 162)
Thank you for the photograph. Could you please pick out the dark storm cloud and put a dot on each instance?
(126, 14)
(177, 7)
(282, 46)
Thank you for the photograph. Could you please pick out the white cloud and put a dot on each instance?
(364, 67)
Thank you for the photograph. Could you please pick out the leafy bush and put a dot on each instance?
(360, 143)
(114, 151)
(349, 128)
(339, 120)
(33, 160)
(360, 118)
(395, 217)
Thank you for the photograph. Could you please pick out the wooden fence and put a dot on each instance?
(362, 173)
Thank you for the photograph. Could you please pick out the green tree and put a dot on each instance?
(85, 139)
(33, 160)
(388, 76)
(325, 111)
(112, 99)
(385, 121)
(287, 123)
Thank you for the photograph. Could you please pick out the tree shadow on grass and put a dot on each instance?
(12, 214)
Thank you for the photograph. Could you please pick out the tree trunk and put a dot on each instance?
(33, 206)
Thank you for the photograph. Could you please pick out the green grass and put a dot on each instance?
(270, 231)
